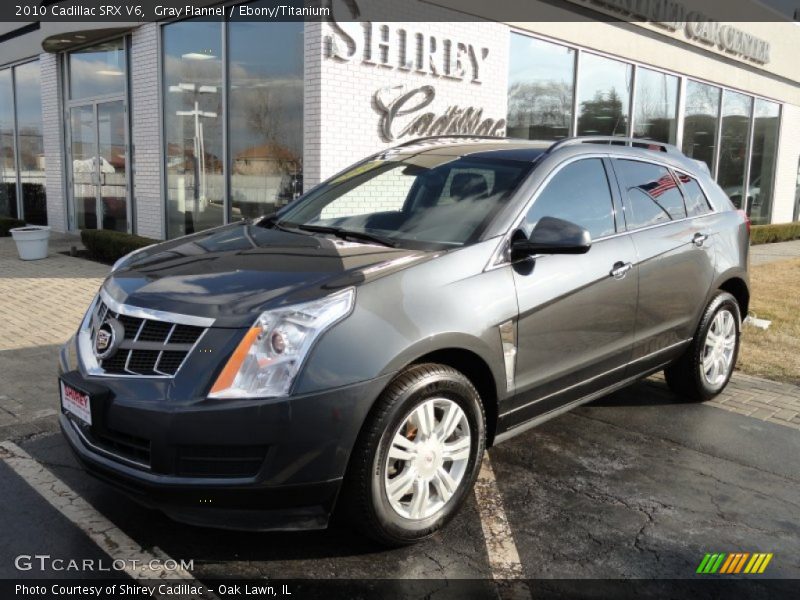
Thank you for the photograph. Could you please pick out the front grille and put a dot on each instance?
(151, 348)
(220, 461)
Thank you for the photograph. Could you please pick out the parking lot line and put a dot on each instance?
(139, 563)
(500, 547)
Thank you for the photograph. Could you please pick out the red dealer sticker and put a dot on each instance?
(76, 402)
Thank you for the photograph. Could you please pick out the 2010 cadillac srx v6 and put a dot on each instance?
(365, 344)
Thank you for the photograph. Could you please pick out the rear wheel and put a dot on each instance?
(705, 368)
(418, 456)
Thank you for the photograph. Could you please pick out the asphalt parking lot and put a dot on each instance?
(635, 485)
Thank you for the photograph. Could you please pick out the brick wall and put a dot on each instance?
(53, 133)
(342, 120)
(312, 104)
(147, 150)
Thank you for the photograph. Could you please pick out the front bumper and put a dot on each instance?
(271, 464)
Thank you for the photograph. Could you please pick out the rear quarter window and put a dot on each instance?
(651, 194)
(696, 202)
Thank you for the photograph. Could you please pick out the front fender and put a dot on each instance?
(445, 303)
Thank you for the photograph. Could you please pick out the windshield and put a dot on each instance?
(425, 201)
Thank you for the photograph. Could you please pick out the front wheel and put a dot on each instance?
(705, 368)
(418, 456)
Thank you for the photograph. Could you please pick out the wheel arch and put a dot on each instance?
(738, 288)
(474, 368)
(467, 354)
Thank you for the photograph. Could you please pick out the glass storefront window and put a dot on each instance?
(540, 96)
(265, 107)
(733, 151)
(656, 106)
(97, 70)
(762, 161)
(604, 91)
(193, 123)
(700, 122)
(540, 89)
(30, 143)
(8, 157)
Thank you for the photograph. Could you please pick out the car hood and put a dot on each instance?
(232, 273)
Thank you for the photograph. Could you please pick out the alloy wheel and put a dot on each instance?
(720, 345)
(427, 458)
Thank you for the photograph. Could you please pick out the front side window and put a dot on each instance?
(578, 193)
(652, 195)
(425, 201)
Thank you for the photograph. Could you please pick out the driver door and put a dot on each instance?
(576, 312)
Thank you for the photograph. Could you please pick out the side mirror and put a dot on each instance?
(554, 236)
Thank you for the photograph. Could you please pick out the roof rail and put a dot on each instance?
(452, 135)
(610, 139)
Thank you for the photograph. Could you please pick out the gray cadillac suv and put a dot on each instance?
(364, 345)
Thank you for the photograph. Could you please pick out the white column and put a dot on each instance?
(53, 132)
(148, 149)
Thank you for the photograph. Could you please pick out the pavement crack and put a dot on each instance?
(637, 541)
(438, 563)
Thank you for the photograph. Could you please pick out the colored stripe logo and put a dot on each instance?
(734, 563)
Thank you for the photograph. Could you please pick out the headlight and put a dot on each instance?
(267, 360)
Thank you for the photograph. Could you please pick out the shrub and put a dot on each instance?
(108, 246)
(7, 224)
(781, 232)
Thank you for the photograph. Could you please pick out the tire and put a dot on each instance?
(687, 376)
(374, 466)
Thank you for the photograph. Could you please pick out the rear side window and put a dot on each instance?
(578, 193)
(696, 201)
(652, 195)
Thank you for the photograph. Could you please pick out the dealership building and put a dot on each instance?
(167, 128)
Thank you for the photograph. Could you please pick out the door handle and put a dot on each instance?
(620, 269)
(699, 239)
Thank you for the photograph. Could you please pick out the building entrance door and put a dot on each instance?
(99, 165)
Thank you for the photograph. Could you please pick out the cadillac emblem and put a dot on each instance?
(108, 338)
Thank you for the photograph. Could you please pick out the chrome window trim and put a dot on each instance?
(152, 314)
(497, 259)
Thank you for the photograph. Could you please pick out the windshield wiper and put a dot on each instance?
(348, 233)
(274, 223)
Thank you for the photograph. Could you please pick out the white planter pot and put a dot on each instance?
(31, 241)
